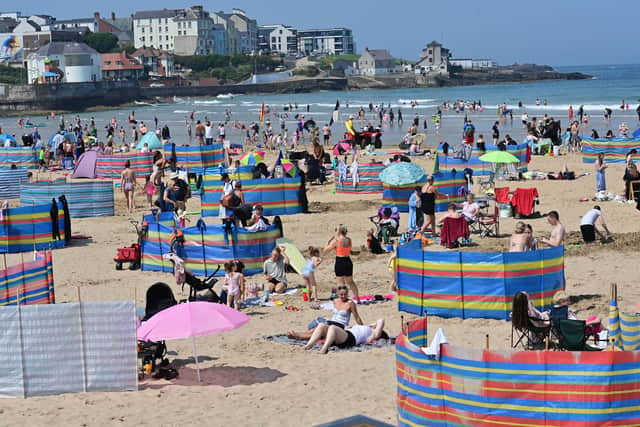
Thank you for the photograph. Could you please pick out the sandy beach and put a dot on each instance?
(248, 380)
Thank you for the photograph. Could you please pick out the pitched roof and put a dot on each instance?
(149, 51)
(120, 61)
(65, 48)
(164, 13)
(380, 54)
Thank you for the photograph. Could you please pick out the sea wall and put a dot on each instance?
(81, 96)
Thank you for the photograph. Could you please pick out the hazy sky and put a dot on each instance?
(558, 32)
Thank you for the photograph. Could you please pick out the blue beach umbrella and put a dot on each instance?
(402, 173)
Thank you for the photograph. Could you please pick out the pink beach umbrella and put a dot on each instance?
(191, 320)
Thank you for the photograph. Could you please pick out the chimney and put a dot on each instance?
(113, 16)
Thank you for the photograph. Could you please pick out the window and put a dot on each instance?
(166, 29)
(142, 38)
(179, 24)
(107, 62)
(160, 47)
(159, 29)
(179, 32)
(430, 51)
(150, 38)
(142, 30)
(166, 20)
(189, 24)
(166, 38)
(119, 63)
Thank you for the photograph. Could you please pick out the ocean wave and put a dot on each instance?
(419, 101)
(565, 107)
(214, 101)
(181, 112)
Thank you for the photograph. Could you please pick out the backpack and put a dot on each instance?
(230, 200)
(468, 131)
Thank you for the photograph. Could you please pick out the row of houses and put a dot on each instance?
(434, 59)
(72, 62)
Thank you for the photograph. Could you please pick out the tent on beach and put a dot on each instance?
(151, 140)
(86, 165)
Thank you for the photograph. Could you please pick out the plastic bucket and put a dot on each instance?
(505, 210)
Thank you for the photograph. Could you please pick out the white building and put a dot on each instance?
(434, 59)
(473, 64)
(64, 62)
(247, 29)
(279, 38)
(376, 62)
(330, 41)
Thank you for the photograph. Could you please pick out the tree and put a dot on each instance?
(102, 42)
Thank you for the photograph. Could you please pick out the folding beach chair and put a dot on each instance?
(572, 336)
(502, 195)
(489, 224)
(531, 337)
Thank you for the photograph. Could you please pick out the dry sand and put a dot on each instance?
(249, 381)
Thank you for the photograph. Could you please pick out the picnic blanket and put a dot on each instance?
(283, 339)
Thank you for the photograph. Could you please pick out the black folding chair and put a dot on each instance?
(532, 337)
(572, 336)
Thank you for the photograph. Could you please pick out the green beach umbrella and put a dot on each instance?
(499, 157)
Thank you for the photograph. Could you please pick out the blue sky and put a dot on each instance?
(559, 32)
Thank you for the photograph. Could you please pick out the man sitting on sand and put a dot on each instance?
(274, 270)
(588, 225)
(557, 232)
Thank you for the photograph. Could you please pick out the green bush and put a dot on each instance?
(102, 42)
(13, 76)
(227, 68)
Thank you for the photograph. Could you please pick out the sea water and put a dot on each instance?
(610, 85)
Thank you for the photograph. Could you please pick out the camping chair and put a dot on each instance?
(524, 200)
(502, 195)
(556, 314)
(634, 188)
(489, 224)
(572, 336)
(489, 183)
(452, 230)
(532, 337)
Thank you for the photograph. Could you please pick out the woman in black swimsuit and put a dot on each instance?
(428, 205)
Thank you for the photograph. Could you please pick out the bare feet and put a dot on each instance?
(324, 350)
(308, 347)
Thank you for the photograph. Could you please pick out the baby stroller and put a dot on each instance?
(199, 290)
(159, 297)
(387, 222)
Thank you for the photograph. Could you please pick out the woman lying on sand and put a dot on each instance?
(341, 338)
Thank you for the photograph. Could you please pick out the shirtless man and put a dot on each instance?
(520, 240)
(557, 232)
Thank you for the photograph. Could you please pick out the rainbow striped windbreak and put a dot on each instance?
(529, 388)
(197, 156)
(22, 228)
(111, 166)
(214, 175)
(449, 183)
(86, 198)
(22, 157)
(204, 249)
(615, 149)
(10, 181)
(474, 284)
(368, 180)
(28, 283)
(480, 168)
(278, 196)
(624, 328)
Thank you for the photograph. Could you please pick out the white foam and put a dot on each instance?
(215, 101)
(419, 101)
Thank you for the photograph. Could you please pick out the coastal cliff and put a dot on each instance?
(459, 77)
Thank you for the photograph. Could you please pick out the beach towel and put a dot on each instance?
(283, 339)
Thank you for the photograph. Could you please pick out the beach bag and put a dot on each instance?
(230, 200)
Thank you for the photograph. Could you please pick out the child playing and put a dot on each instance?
(391, 266)
(181, 218)
(308, 272)
(149, 189)
(233, 283)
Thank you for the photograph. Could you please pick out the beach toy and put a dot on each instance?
(278, 302)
